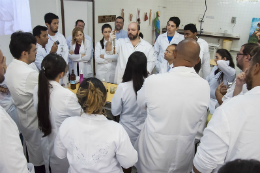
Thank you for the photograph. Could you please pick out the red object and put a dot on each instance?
(145, 17)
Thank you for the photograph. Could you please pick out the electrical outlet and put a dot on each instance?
(233, 20)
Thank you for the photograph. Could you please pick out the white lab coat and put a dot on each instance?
(7, 103)
(165, 66)
(105, 68)
(204, 57)
(161, 45)
(12, 158)
(62, 47)
(92, 143)
(63, 104)
(174, 113)
(229, 76)
(124, 103)
(84, 62)
(230, 91)
(21, 80)
(232, 133)
(124, 48)
(40, 55)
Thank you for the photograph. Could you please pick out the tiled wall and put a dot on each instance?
(218, 16)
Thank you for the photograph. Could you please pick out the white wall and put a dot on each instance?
(113, 7)
(222, 11)
(38, 9)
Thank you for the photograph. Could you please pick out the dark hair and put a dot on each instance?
(175, 20)
(248, 47)
(119, 17)
(197, 66)
(49, 17)
(21, 41)
(190, 27)
(91, 95)
(256, 58)
(37, 30)
(52, 65)
(136, 70)
(79, 20)
(241, 166)
(102, 29)
(224, 53)
(141, 35)
(174, 44)
(138, 27)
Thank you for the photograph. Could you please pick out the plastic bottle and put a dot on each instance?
(81, 76)
(105, 84)
(66, 80)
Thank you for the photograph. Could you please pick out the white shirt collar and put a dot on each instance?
(183, 69)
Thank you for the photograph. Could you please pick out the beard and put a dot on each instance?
(249, 80)
(2, 78)
(52, 30)
(133, 36)
(118, 27)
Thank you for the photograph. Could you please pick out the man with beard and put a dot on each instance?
(243, 58)
(119, 24)
(126, 46)
(52, 22)
(233, 132)
(12, 159)
(21, 80)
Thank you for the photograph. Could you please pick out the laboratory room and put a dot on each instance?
(129, 86)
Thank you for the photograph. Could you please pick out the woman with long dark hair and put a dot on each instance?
(106, 64)
(224, 72)
(92, 142)
(124, 101)
(53, 104)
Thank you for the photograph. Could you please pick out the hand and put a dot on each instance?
(112, 36)
(241, 78)
(82, 55)
(102, 56)
(221, 89)
(54, 48)
(71, 52)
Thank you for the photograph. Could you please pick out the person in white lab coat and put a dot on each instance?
(52, 22)
(224, 72)
(174, 113)
(41, 35)
(54, 104)
(168, 56)
(21, 80)
(126, 46)
(124, 101)
(241, 166)
(223, 93)
(80, 24)
(164, 40)
(80, 54)
(190, 31)
(234, 131)
(12, 158)
(91, 142)
(56, 39)
(105, 63)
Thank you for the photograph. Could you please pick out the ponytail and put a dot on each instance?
(92, 95)
(52, 65)
(102, 43)
(43, 111)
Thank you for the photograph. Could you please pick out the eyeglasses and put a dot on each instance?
(167, 51)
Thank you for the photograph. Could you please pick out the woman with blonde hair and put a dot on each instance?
(91, 142)
(80, 54)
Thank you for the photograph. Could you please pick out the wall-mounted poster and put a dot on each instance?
(254, 34)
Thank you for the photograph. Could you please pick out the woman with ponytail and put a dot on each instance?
(53, 104)
(91, 142)
(124, 101)
(106, 64)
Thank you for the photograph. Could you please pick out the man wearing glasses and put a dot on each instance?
(119, 32)
(168, 56)
(243, 58)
